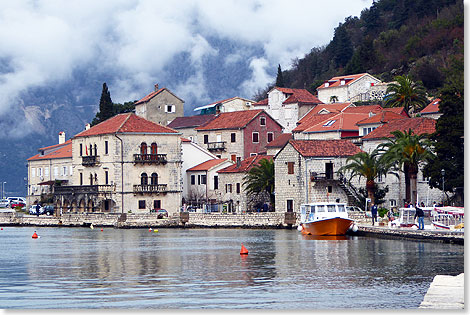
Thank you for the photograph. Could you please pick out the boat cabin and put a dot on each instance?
(322, 210)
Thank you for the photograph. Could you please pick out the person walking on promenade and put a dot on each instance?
(373, 211)
(38, 207)
(420, 215)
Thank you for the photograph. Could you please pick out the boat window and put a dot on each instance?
(302, 209)
(341, 208)
(331, 208)
(320, 208)
(312, 209)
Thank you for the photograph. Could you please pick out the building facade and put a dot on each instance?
(348, 88)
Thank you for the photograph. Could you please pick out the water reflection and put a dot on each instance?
(202, 268)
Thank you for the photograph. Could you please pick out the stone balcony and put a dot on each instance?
(150, 158)
(216, 146)
(159, 188)
(90, 160)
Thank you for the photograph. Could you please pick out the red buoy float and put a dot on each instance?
(243, 251)
(35, 235)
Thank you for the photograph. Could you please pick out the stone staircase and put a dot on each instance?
(351, 192)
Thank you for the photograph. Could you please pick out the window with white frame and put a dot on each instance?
(329, 123)
(64, 170)
(170, 108)
(46, 171)
(33, 172)
(71, 170)
(255, 137)
(262, 121)
(56, 171)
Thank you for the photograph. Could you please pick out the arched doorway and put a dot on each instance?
(81, 206)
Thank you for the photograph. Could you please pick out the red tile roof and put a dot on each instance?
(363, 109)
(432, 108)
(148, 97)
(207, 165)
(332, 108)
(62, 152)
(336, 81)
(301, 96)
(190, 121)
(418, 125)
(325, 148)
(398, 110)
(339, 122)
(261, 103)
(383, 117)
(232, 120)
(185, 140)
(280, 141)
(245, 164)
(125, 123)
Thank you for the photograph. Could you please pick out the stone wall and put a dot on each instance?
(265, 219)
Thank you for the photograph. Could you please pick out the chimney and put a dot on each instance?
(156, 87)
(87, 126)
(61, 137)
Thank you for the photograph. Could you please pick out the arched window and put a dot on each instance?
(154, 150)
(96, 150)
(154, 179)
(144, 179)
(91, 150)
(143, 148)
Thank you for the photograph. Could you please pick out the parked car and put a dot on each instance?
(32, 210)
(48, 210)
(162, 213)
(4, 203)
(16, 200)
(16, 204)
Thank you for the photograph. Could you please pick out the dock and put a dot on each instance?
(445, 292)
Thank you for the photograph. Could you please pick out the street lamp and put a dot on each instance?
(443, 172)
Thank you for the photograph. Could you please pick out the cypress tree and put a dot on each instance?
(279, 78)
(106, 106)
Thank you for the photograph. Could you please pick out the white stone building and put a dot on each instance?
(348, 88)
(232, 104)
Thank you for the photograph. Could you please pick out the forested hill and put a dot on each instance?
(393, 37)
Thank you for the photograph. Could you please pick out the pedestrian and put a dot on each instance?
(420, 215)
(422, 204)
(406, 204)
(373, 211)
(38, 206)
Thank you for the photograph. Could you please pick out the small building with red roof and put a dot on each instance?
(346, 88)
(369, 124)
(125, 163)
(233, 195)
(161, 106)
(288, 105)
(239, 134)
(227, 105)
(274, 146)
(432, 110)
(187, 124)
(307, 171)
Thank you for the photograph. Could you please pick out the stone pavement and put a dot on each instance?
(445, 292)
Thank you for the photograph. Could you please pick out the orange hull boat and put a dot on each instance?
(333, 226)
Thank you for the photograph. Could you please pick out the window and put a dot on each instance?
(193, 179)
(327, 84)
(331, 208)
(238, 188)
(206, 139)
(106, 147)
(290, 205)
(106, 205)
(270, 136)
(96, 150)
(141, 204)
(33, 172)
(290, 167)
(329, 123)
(81, 179)
(46, 171)
(106, 177)
(154, 179)
(91, 179)
(64, 170)
(253, 154)
(40, 171)
(157, 204)
(144, 179)
(228, 188)
(56, 171)
(233, 137)
(330, 189)
(262, 121)
(342, 82)
(255, 137)
(170, 108)
(90, 153)
(81, 149)
(216, 182)
(154, 148)
(393, 203)
(143, 148)
(364, 131)
(201, 179)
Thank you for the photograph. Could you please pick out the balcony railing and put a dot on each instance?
(90, 160)
(84, 189)
(159, 188)
(215, 146)
(314, 176)
(150, 158)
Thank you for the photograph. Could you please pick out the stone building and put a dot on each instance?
(307, 171)
(232, 104)
(161, 106)
(432, 110)
(124, 164)
(186, 125)
(278, 143)
(349, 88)
(233, 195)
(238, 135)
(51, 166)
(287, 105)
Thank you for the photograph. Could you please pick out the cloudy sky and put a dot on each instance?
(43, 42)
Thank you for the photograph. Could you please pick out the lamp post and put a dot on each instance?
(3, 190)
(443, 172)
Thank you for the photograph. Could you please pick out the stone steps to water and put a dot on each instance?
(445, 292)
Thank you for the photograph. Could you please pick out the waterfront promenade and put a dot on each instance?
(445, 292)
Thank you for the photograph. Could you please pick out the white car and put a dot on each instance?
(4, 203)
(32, 210)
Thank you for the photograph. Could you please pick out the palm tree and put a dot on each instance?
(260, 179)
(366, 165)
(406, 93)
(405, 152)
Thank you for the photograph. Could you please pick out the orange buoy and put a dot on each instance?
(243, 251)
(35, 235)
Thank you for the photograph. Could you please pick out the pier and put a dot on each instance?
(445, 292)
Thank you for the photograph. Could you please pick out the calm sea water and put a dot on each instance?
(203, 269)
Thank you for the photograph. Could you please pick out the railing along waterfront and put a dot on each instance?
(150, 158)
(159, 188)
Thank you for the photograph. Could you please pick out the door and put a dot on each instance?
(290, 205)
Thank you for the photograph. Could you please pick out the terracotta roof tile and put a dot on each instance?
(245, 164)
(339, 122)
(383, 117)
(325, 148)
(332, 108)
(336, 81)
(207, 165)
(231, 120)
(148, 97)
(418, 125)
(280, 141)
(301, 96)
(364, 109)
(310, 120)
(63, 152)
(190, 121)
(398, 110)
(261, 103)
(125, 123)
(432, 108)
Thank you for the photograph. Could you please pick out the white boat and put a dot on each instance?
(406, 218)
(324, 218)
(448, 218)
